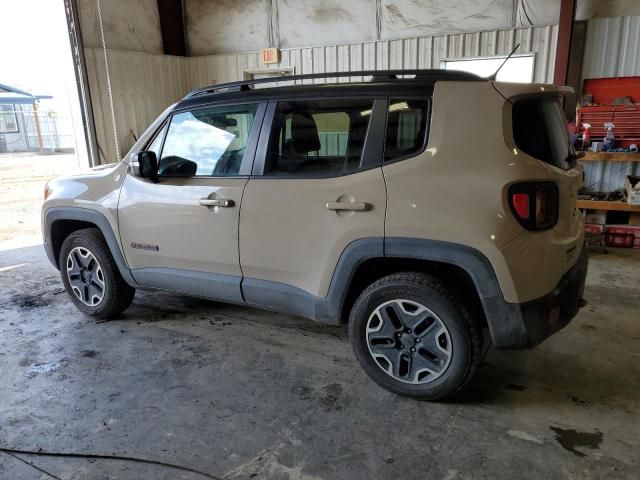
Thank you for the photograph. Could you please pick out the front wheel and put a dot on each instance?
(91, 277)
(413, 337)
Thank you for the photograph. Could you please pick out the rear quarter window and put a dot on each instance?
(540, 131)
(406, 128)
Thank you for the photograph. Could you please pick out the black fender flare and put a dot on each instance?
(55, 214)
(505, 321)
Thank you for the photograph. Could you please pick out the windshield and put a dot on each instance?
(540, 130)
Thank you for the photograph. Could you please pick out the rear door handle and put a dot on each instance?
(216, 202)
(356, 206)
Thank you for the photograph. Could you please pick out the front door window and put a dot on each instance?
(207, 141)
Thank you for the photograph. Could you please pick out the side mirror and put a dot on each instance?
(145, 165)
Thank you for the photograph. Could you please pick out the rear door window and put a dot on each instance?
(540, 130)
(318, 138)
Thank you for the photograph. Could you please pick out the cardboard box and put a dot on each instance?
(632, 186)
(636, 238)
(634, 219)
(598, 217)
(594, 235)
(623, 236)
(594, 229)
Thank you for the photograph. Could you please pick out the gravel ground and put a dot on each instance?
(22, 181)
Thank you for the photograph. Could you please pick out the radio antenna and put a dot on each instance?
(495, 74)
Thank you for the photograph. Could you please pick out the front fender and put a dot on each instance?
(54, 214)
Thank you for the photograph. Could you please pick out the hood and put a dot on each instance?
(94, 171)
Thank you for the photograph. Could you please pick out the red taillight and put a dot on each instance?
(534, 204)
(520, 202)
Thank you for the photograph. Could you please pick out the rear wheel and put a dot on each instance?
(91, 276)
(413, 337)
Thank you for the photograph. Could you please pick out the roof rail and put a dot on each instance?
(377, 76)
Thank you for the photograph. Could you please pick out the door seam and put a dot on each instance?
(253, 161)
(238, 237)
(386, 206)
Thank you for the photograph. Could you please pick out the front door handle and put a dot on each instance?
(216, 202)
(355, 206)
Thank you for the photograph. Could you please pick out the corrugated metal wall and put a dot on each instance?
(608, 176)
(420, 52)
(143, 85)
(612, 50)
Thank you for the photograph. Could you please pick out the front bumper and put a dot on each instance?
(528, 324)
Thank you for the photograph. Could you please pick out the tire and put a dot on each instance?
(91, 276)
(434, 361)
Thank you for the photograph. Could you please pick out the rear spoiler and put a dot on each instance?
(515, 91)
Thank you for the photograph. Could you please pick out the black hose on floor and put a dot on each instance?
(32, 465)
(105, 457)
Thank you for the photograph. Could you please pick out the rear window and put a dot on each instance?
(540, 130)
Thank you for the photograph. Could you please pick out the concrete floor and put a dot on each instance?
(240, 393)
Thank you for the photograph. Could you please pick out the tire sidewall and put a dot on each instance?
(449, 312)
(71, 242)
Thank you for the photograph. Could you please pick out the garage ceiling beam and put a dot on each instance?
(565, 32)
(172, 26)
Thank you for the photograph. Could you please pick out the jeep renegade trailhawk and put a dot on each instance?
(417, 210)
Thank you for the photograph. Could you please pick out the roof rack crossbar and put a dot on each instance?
(377, 76)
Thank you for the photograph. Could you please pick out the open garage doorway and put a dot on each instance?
(41, 127)
(39, 106)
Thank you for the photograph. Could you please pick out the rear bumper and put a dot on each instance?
(530, 323)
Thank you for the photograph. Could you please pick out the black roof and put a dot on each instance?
(382, 82)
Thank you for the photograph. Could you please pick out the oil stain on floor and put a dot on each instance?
(571, 439)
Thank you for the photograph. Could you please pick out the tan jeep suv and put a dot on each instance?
(420, 207)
